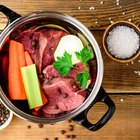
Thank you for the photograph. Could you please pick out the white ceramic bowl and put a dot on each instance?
(7, 122)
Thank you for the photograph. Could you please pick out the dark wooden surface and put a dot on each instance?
(120, 81)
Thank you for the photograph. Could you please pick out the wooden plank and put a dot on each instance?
(119, 77)
(124, 124)
(94, 14)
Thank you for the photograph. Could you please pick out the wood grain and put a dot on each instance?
(124, 125)
(92, 13)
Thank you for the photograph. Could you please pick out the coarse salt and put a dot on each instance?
(137, 72)
(102, 2)
(96, 22)
(132, 62)
(79, 7)
(123, 13)
(111, 21)
(123, 42)
(91, 8)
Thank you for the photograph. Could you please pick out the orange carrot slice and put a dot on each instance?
(28, 58)
(16, 60)
(44, 99)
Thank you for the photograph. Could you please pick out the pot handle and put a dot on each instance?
(11, 15)
(82, 117)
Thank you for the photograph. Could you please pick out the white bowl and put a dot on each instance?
(7, 122)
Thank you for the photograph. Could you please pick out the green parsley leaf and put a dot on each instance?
(63, 64)
(83, 78)
(84, 55)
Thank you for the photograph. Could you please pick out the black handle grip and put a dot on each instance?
(11, 15)
(82, 117)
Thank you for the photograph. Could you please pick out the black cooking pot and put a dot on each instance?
(97, 93)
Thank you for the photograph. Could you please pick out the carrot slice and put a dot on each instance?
(16, 59)
(44, 99)
(21, 57)
(30, 62)
(28, 58)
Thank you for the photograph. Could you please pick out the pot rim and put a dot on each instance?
(50, 14)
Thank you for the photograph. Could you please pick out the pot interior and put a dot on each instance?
(20, 107)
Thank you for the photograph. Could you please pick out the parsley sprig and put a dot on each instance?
(64, 65)
(84, 55)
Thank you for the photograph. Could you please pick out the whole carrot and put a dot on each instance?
(16, 60)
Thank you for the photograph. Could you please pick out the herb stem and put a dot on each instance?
(75, 67)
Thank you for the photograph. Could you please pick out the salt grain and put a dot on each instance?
(137, 72)
(121, 99)
(123, 42)
(102, 2)
(111, 21)
(117, 3)
(91, 8)
(123, 13)
(132, 62)
(96, 22)
(79, 7)
(129, 19)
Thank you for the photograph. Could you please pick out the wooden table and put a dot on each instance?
(121, 81)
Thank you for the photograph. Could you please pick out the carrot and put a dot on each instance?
(28, 59)
(21, 57)
(16, 60)
(44, 99)
(30, 62)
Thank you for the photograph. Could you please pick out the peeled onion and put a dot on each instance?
(70, 44)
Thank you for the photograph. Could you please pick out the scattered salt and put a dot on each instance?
(129, 19)
(123, 42)
(137, 72)
(79, 7)
(96, 22)
(121, 99)
(133, 16)
(132, 62)
(102, 2)
(123, 13)
(91, 8)
(111, 21)
(138, 61)
(117, 3)
(120, 6)
(110, 18)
